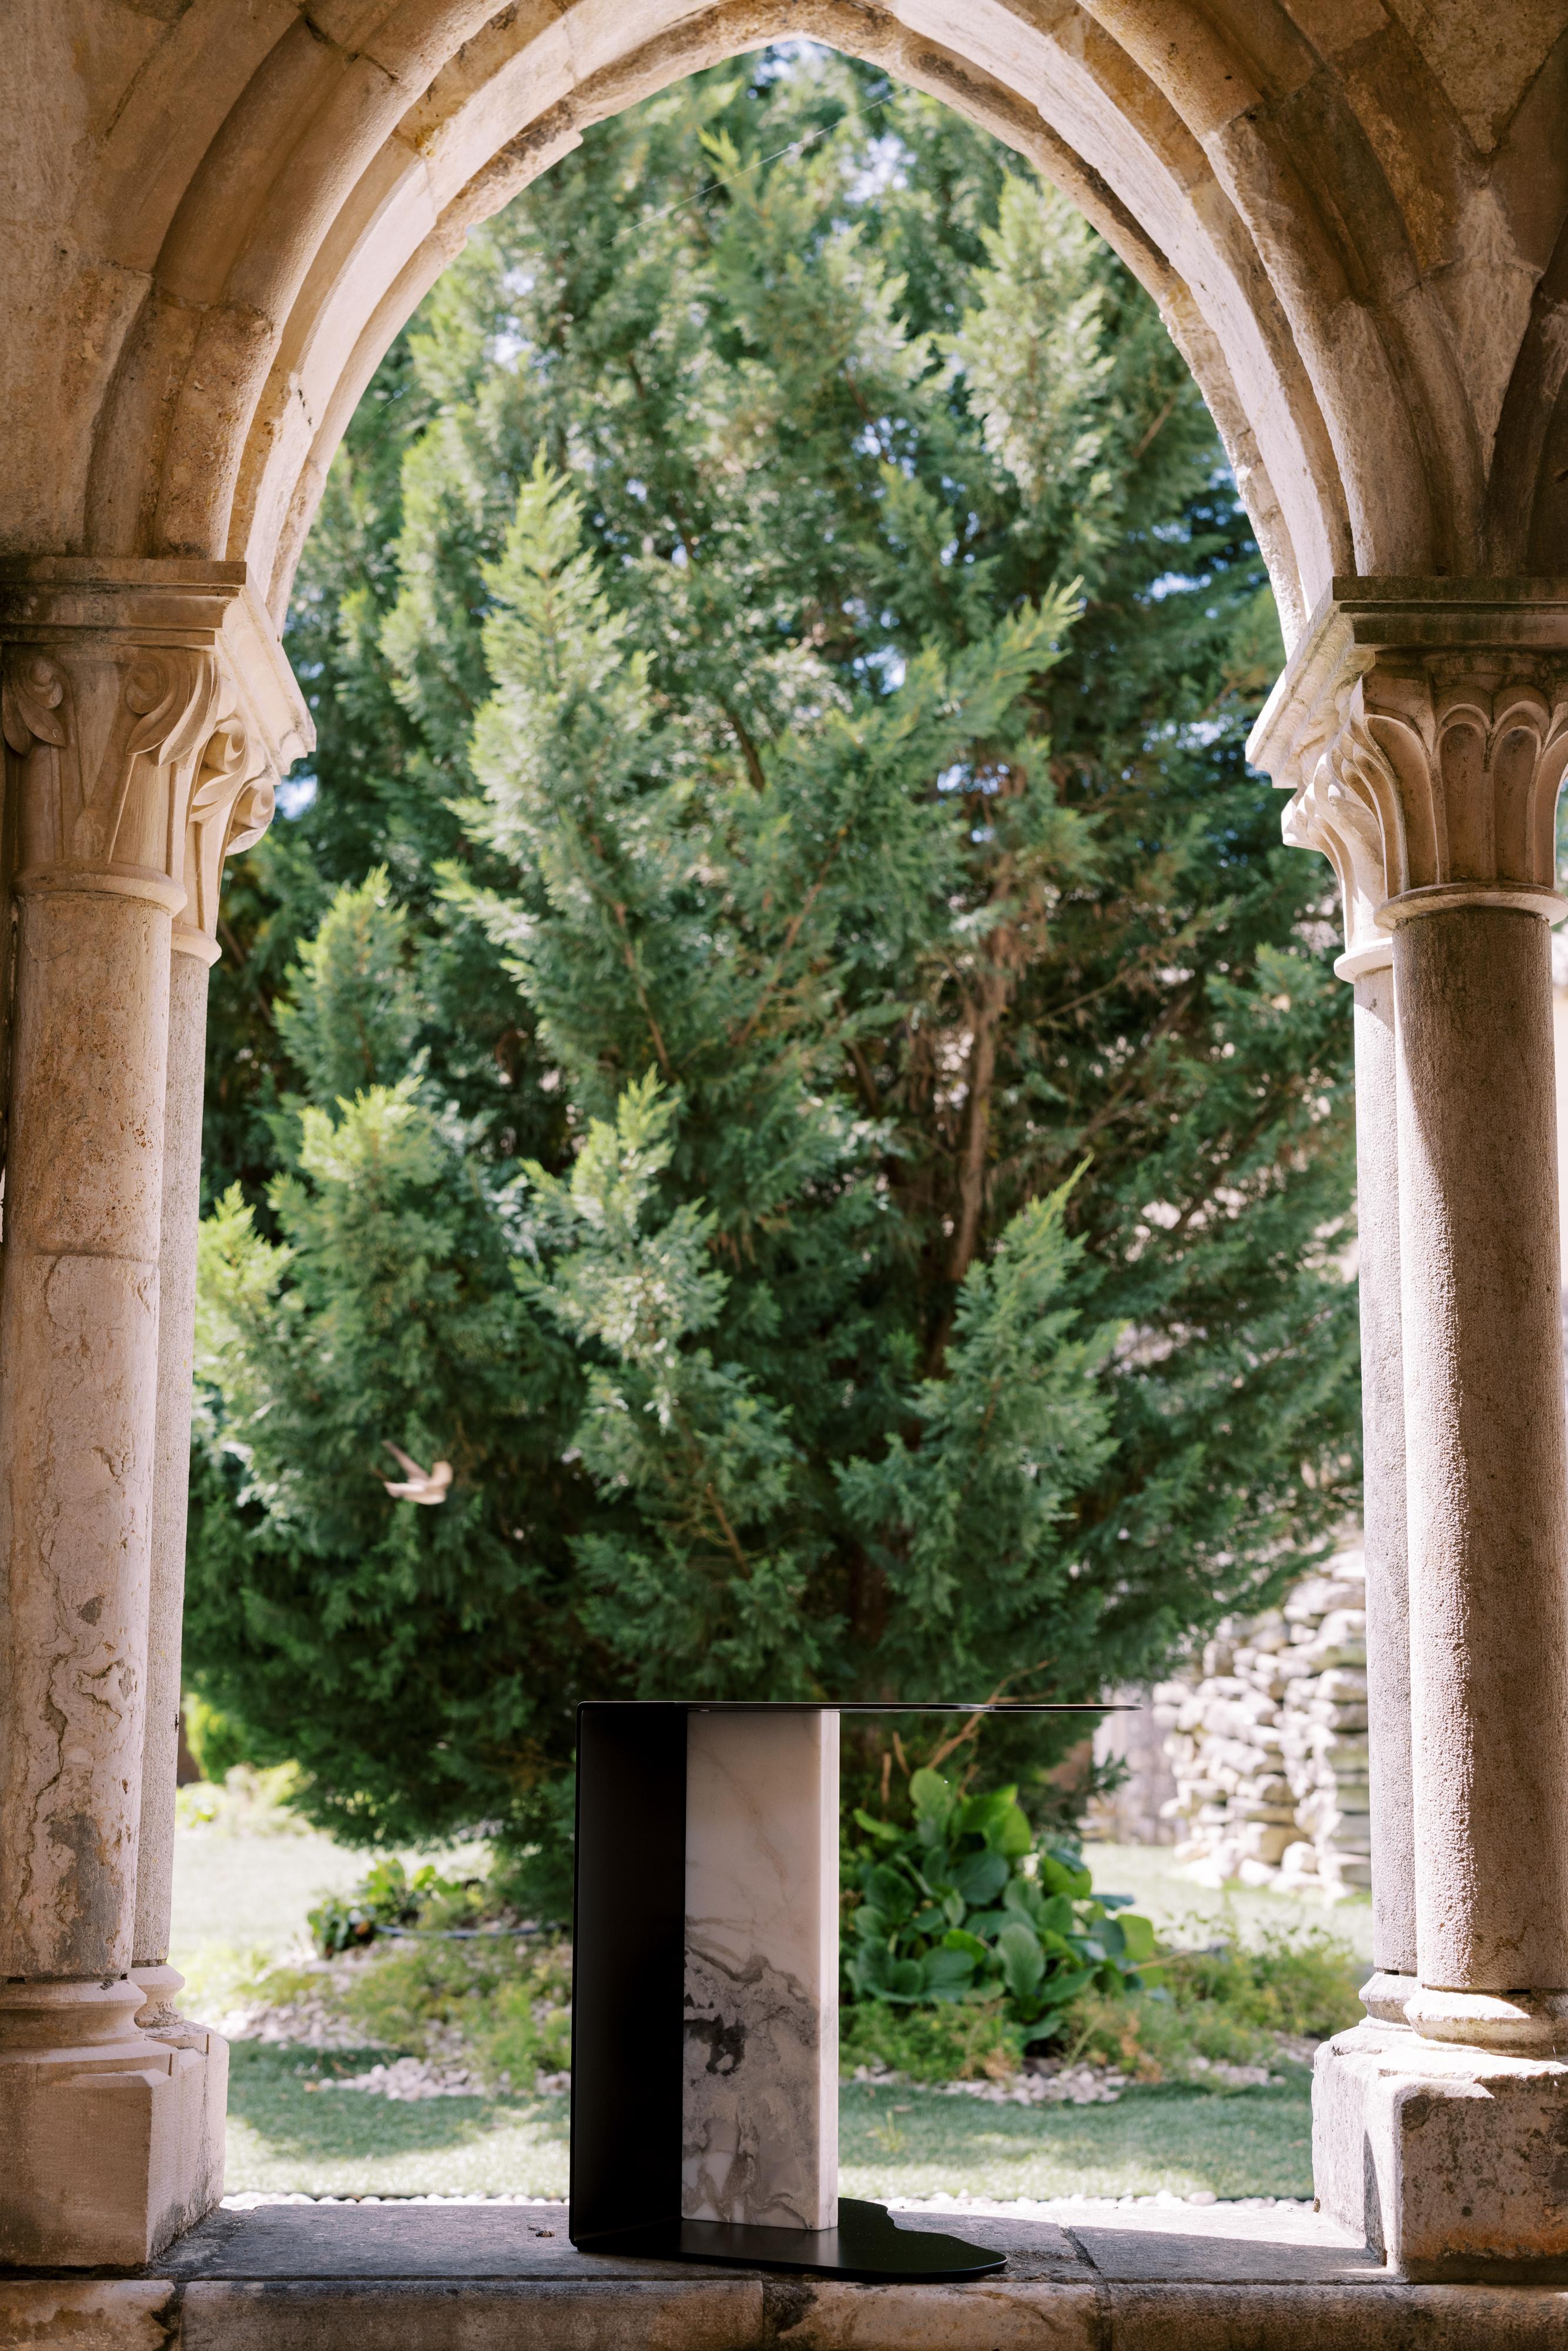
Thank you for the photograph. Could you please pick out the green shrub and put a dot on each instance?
(1225, 2002)
(1304, 1982)
(964, 1905)
(386, 1896)
(216, 1741)
(501, 2006)
(511, 2003)
(455, 1979)
(527, 2026)
(961, 2040)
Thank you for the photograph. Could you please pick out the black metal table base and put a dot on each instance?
(867, 2245)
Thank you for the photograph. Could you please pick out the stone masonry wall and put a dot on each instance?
(1267, 1739)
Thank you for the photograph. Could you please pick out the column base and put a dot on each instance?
(113, 2137)
(1385, 1995)
(1525, 2023)
(1450, 2160)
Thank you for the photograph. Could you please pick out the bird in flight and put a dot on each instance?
(416, 1485)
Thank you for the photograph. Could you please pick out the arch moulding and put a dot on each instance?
(214, 216)
(1351, 221)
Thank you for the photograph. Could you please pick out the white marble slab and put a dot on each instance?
(761, 2139)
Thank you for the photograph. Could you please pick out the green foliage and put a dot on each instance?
(352, 1021)
(458, 1965)
(217, 1742)
(955, 2040)
(1305, 1983)
(965, 1903)
(785, 1047)
(1226, 2003)
(386, 1896)
(511, 2002)
(500, 2005)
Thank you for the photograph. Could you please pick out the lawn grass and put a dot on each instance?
(251, 1893)
(287, 2135)
(1244, 2143)
(1192, 1914)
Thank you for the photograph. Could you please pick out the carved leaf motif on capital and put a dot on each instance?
(31, 693)
(1337, 811)
(1426, 781)
(231, 807)
(1464, 770)
(106, 738)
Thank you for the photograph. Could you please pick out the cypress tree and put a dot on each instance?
(785, 1045)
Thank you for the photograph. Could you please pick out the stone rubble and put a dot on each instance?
(405, 2079)
(1027, 2208)
(307, 2024)
(1067, 2085)
(1266, 1741)
(1042, 2086)
(1045, 2208)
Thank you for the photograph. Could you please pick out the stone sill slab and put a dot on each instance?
(507, 2278)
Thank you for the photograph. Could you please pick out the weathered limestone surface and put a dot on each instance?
(106, 2129)
(1489, 1488)
(139, 747)
(1450, 2159)
(179, 1211)
(1424, 732)
(1390, 1794)
(506, 2279)
(79, 1335)
(1269, 1744)
(1141, 1810)
(760, 2130)
(1352, 214)
(1348, 215)
(1332, 1720)
(231, 807)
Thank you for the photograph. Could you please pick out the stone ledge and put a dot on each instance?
(746, 2314)
(1384, 2316)
(507, 2278)
(1449, 2158)
(91, 2314)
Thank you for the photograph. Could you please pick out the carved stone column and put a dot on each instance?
(117, 681)
(230, 808)
(1428, 723)
(1322, 816)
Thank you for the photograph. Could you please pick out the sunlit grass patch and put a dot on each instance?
(287, 2135)
(908, 2142)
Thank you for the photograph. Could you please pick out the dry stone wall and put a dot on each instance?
(1267, 1742)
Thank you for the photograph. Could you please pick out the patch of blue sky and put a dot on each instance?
(886, 666)
(886, 166)
(1171, 583)
(295, 794)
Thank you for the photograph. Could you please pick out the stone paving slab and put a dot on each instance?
(1381, 2315)
(521, 2241)
(345, 2241)
(391, 2277)
(1218, 2258)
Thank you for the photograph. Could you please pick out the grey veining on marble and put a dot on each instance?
(760, 2137)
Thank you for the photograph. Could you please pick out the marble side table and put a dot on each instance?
(704, 2002)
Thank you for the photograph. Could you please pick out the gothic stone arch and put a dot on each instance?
(218, 213)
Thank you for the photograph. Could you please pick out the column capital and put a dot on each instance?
(1421, 730)
(149, 710)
